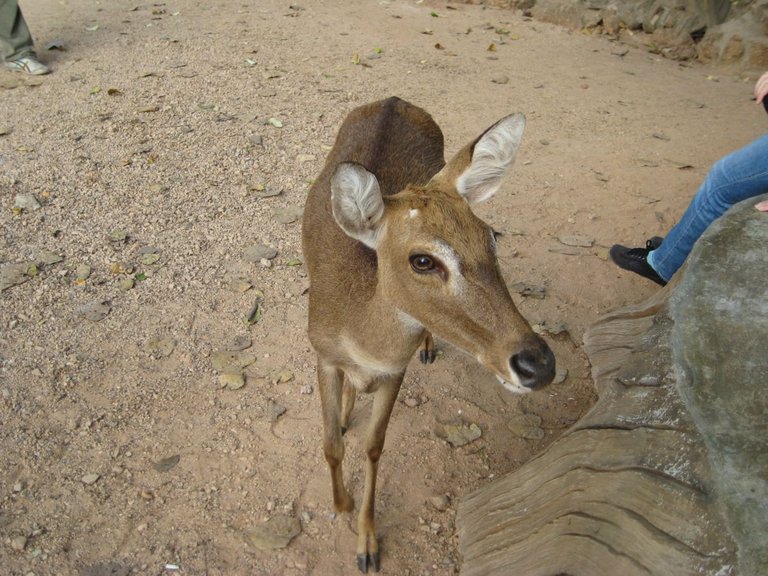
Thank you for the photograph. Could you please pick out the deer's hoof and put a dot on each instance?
(427, 356)
(366, 560)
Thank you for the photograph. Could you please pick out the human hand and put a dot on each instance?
(762, 206)
(761, 88)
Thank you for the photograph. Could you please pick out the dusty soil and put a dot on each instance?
(152, 149)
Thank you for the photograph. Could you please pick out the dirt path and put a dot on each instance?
(151, 149)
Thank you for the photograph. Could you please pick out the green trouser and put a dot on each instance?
(15, 39)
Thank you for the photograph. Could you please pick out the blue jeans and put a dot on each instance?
(736, 177)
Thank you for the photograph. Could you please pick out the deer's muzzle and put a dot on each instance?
(534, 364)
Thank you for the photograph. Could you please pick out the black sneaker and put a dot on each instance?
(636, 259)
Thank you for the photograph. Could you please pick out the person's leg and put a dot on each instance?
(736, 177)
(15, 39)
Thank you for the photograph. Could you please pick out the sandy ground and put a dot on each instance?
(152, 150)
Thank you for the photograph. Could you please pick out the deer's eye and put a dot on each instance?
(422, 263)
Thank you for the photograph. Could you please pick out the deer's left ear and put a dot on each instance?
(477, 169)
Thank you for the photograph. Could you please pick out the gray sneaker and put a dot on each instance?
(28, 64)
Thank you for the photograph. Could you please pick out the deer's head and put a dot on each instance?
(437, 260)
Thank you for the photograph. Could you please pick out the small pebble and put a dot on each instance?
(90, 479)
(232, 380)
(440, 502)
(18, 543)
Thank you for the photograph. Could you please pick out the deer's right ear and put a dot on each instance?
(477, 169)
(357, 203)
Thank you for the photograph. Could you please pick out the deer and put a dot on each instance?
(394, 255)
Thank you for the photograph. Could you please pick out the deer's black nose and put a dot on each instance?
(534, 364)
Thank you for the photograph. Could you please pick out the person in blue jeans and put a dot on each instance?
(740, 175)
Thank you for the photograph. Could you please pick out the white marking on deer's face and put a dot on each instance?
(452, 263)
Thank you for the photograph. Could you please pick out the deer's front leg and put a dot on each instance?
(331, 382)
(383, 402)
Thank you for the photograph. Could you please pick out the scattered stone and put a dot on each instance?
(96, 310)
(500, 79)
(263, 192)
(90, 479)
(166, 464)
(82, 272)
(275, 533)
(240, 285)
(525, 289)
(232, 360)
(458, 434)
(412, 402)
(526, 426)
(265, 263)
(26, 202)
(11, 82)
(259, 252)
(160, 347)
(556, 329)
(149, 259)
(440, 502)
(565, 250)
(274, 411)
(304, 158)
(18, 487)
(603, 253)
(126, 284)
(18, 543)
(16, 274)
(121, 268)
(306, 389)
(254, 314)
(646, 163)
(48, 258)
(283, 377)
(577, 240)
(560, 376)
(118, 236)
(241, 342)
(232, 380)
(5, 130)
(256, 139)
(288, 215)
